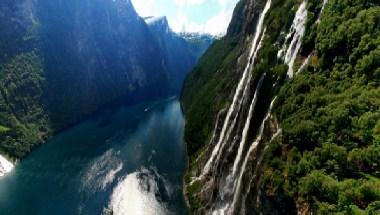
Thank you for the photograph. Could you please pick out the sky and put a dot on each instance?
(204, 16)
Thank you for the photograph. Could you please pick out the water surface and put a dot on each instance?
(126, 161)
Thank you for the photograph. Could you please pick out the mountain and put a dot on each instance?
(63, 60)
(181, 51)
(199, 42)
(283, 113)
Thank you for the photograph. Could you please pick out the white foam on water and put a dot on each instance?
(110, 177)
(101, 172)
(136, 196)
(5, 166)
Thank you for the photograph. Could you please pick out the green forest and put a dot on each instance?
(329, 155)
(24, 120)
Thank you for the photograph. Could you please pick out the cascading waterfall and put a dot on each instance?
(238, 98)
(230, 177)
(253, 104)
(259, 162)
(229, 208)
(296, 33)
(246, 126)
(233, 135)
(306, 61)
(304, 64)
(238, 183)
(194, 179)
(323, 7)
(224, 177)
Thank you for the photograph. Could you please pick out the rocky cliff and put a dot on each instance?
(282, 114)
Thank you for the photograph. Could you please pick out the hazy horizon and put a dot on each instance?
(212, 16)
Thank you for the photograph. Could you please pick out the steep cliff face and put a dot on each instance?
(24, 121)
(62, 60)
(96, 52)
(274, 121)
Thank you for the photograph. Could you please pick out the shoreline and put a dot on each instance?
(5, 166)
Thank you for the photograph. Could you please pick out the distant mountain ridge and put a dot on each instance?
(181, 52)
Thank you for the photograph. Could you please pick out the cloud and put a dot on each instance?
(144, 7)
(179, 14)
(189, 2)
(216, 25)
(219, 23)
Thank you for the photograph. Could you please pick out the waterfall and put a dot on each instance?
(296, 34)
(247, 125)
(259, 162)
(323, 7)
(252, 147)
(228, 208)
(238, 98)
(304, 64)
(253, 60)
(233, 136)
(245, 130)
(194, 179)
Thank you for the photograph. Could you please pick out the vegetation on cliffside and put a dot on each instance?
(329, 156)
(327, 159)
(24, 120)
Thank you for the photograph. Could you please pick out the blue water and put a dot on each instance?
(126, 161)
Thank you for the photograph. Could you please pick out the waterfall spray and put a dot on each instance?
(247, 125)
(237, 100)
(252, 106)
(297, 31)
(252, 147)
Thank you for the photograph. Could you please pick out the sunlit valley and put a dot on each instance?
(129, 107)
